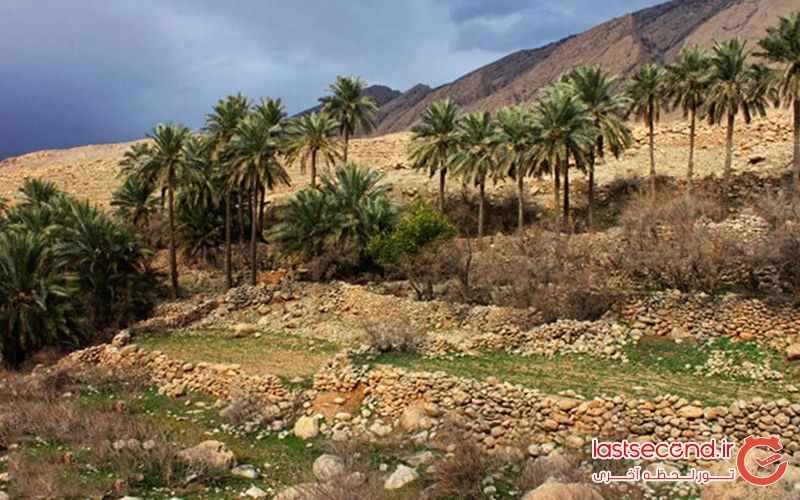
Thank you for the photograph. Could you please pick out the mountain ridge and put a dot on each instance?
(621, 45)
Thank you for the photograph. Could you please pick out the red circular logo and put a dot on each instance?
(773, 444)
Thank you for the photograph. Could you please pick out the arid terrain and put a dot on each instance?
(92, 172)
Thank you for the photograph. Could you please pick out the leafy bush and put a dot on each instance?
(420, 227)
(340, 218)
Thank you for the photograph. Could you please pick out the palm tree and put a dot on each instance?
(433, 141)
(166, 167)
(475, 158)
(35, 307)
(39, 192)
(309, 137)
(516, 141)
(222, 124)
(595, 90)
(255, 149)
(782, 46)
(647, 91)
(688, 80)
(567, 130)
(735, 87)
(350, 107)
(134, 201)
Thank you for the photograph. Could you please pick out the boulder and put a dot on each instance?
(556, 491)
(402, 476)
(255, 492)
(209, 453)
(691, 412)
(306, 427)
(298, 492)
(328, 467)
(414, 419)
(793, 352)
(245, 472)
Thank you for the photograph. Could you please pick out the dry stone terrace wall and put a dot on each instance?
(174, 377)
(505, 417)
(704, 316)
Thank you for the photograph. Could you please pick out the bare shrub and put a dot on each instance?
(398, 335)
(778, 208)
(461, 473)
(561, 467)
(34, 409)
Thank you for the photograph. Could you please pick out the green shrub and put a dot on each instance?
(420, 227)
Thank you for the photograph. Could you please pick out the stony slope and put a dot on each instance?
(92, 171)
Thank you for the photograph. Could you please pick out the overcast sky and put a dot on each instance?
(76, 72)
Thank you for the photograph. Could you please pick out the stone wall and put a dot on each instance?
(704, 316)
(507, 417)
(175, 377)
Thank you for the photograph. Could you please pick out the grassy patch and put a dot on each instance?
(275, 353)
(655, 368)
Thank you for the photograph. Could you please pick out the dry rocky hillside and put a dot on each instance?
(620, 45)
(763, 146)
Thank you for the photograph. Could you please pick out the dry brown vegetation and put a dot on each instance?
(41, 409)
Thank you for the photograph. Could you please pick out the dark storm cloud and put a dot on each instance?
(88, 71)
(511, 24)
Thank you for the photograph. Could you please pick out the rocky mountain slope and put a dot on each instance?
(622, 44)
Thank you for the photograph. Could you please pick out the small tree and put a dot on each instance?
(475, 157)
(255, 162)
(782, 46)
(647, 92)
(516, 142)
(348, 104)
(166, 167)
(735, 87)
(595, 90)
(434, 140)
(688, 80)
(221, 125)
(311, 136)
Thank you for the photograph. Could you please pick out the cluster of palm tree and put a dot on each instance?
(579, 119)
(575, 121)
(240, 156)
(66, 268)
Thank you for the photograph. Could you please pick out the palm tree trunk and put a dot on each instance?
(481, 203)
(797, 146)
(521, 201)
(253, 229)
(442, 177)
(173, 258)
(565, 214)
(590, 208)
(240, 195)
(346, 144)
(729, 145)
(228, 265)
(313, 169)
(556, 191)
(262, 195)
(652, 132)
(692, 134)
